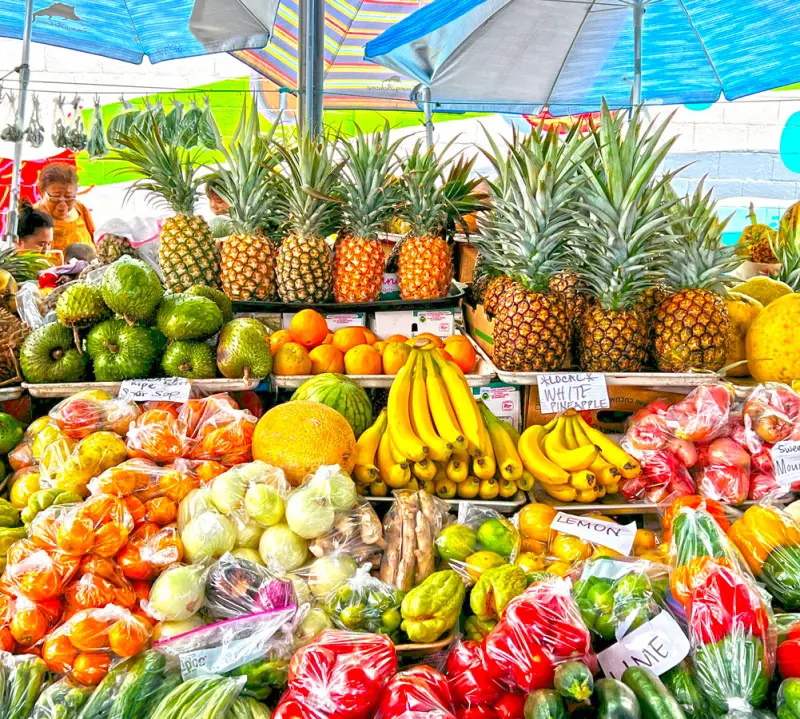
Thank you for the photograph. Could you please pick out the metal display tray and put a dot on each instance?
(67, 389)
(12, 392)
(503, 506)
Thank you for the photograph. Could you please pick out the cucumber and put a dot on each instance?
(789, 699)
(544, 704)
(655, 700)
(574, 681)
(681, 683)
(615, 701)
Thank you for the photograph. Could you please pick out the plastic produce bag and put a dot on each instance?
(37, 573)
(237, 587)
(172, 123)
(188, 136)
(20, 680)
(468, 677)
(150, 116)
(358, 532)
(76, 127)
(61, 700)
(99, 582)
(60, 135)
(772, 413)
(79, 416)
(87, 644)
(206, 128)
(219, 430)
(24, 623)
(149, 551)
(122, 122)
(11, 132)
(733, 638)
(340, 675)
(252, 491)
(213, 693)
(34, 133)
(177, 594)
(416, 693)
(703, 415)
(97, 146)
(208, 536)
(158, 435)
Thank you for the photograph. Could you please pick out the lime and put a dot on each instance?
(498, 536)
(455, 543)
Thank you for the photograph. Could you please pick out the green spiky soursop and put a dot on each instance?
(120, 351)
(131, 288)
(193, 360)
(81, 305)
(217, 297)
(183, 317)
(243, 350)
(49, 355)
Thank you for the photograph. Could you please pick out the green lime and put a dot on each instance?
(498, 536)
(455, 543)
(352, 617)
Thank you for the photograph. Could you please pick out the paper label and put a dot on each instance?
(786, 460)
(504, 401)
(390, 289)
(221, 659)
(560, 391)
(605, 568)
(163, 389)
(618, 537)
(438, 322)
(658, 645)
(337, 322)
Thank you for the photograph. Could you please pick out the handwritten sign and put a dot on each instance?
(658, 645)
(164, 389)
(618, 537)
(786, 460)
(560, 391)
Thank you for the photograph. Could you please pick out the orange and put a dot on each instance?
(395, 356)
(371, 338)
(535, 520)
(89, 633)
(362, 359)
(28, 625)
(437, 341)
(380, 346)
(58, 653)
(109, 539)
(326, 358)
(308, 328)
(348, 337)
(127, 637)
(291, 359)
(161, 510)
(397, 338)
(463, 354)
(328, 339)
(75, 535)
(446, 355)
(279, 339)
(91, 668)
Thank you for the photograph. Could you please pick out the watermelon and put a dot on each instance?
(341, 393)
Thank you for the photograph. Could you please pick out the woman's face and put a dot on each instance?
(39, 241)
(60, 198)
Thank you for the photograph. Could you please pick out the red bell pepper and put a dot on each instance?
(789, 658)
(477, 712)
(290, 708)
(417, 692)
(468, 676)
(514, 657)
(510, 706)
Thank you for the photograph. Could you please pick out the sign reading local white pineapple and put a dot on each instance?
(560, 391)
(786, 461)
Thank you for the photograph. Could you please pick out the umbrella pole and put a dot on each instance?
(312, 59)
(638, 21)
(24, 77)
(427, 106)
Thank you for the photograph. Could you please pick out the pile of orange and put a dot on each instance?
(308, 347)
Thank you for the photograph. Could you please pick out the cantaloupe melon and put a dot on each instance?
(301, 436)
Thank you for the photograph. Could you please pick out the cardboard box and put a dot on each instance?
(335, 320)
(466, 256)
(481, 328)
(504, 401)
(625, 400)
(413, 322)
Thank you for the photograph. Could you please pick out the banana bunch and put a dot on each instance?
(434, 435)
(573, 461)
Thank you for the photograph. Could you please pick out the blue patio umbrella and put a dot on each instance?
(520, 56)
(129, 30)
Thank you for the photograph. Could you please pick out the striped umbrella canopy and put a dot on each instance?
(350, 81)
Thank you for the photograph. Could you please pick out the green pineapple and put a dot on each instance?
(308, 190)
(188, 254)
(622, 221)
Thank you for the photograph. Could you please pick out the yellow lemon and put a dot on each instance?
(570, 549)
(479, 562)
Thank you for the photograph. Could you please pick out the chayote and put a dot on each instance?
(496, 588)
(432, 608)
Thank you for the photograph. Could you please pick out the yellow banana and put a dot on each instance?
(587, 496)
(583, 480)
(526, 481)
(611, 488)
(446, 488)
(444, 416)
(511, 430)
(399, 476)
(363, 490)
(580, 435)
(507, 488)
(484, 465)
(393, 474)
(463, 456)
(425, 469)
(438, 449)
(549, 426)
(367, 445)
(469, 418)
(456, 470)
(534, 460)
(561, 492)
(378, 488)
(607, 475)
(412, 485)
(427, 485)
(489, 488)
(601, 491)
(398, 414)
(570, 441)
(628, 467)
(468, 489)
(366, 474)
(571, 460)
(505, 451)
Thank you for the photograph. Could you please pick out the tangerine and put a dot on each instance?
(462, 353)
(28, 625)
(291, 359)
(328, 339)
(109, 539)
(161, 510)
(437, 341)
(348, 337)
(279, 339)
(397, 338)
(395, 356)
(326, 358)
(363, 359)
(58, 653)
(75, 535)
(87, 632)
(308, 328)
(127, 637)
(370, 335)
(91, 668)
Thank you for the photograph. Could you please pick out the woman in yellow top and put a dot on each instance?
(58, 185)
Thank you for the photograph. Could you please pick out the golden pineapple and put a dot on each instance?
(613, 340)
(494, 290)
(188, 254)
(248, 267)
(424, 267)
(756, 240)
(371, 196)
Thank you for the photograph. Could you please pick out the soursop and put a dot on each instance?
(120, 351)
(131, 288)
(217, 297)
(243, 350)
(49, 355)
(183, 317)
(80, 305)
(193, 360)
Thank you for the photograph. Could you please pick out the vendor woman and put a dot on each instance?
(58, 185)
(34, 229)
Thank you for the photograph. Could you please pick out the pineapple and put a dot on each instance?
(524, 237)
(304, 267)
(16, 267)
(188, 254)
(756, 240)
(622, 220)
(13, 332)
(786, 249)
(111, 247)
(578, 300)
(370, 199)
(435, 195)
(247, 183)
(691, 326)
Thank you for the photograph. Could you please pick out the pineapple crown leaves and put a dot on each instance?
(309, 189)
(169, 175)
(23, 266)
(786, 248)
(698, 259)
(526, 232)
(246, 179)
(369, 186)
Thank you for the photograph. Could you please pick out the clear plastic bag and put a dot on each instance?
(365, 604)
(34, 133)
(236, 587)
(61, 134)
(12, 131)
(410, 527)
(173, 122)
(177, 594)
(663, 478)
(76, 128)
(339, 675)
(122, 122)
(207, 536)
(35, 572)
(468, 677)
(22, 677)
(99, 582)
(417, 693)
(772, 413)
(158, 435)
(61, 700)
(24, 623)
(149, 551)
(30, 305)
(81, 415)
(358, 532)
(206, 128)
(703, 415)
(219, 430)
(252, 491)
(97, 146)
(188, 136)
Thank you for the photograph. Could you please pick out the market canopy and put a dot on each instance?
(131, 29)
(519, 56)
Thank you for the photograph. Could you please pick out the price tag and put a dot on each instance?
(220, 659)
(657, 645)
(560, 391)
(618, 537)
(786, 460)
(164, 389)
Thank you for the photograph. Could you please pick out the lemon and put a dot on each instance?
(570, 549)
(479, 562)
(559, 569)
(25, 485)
(530, 562)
